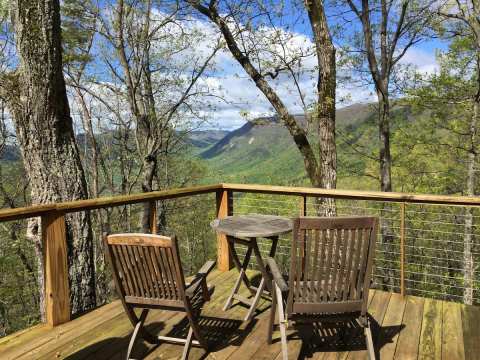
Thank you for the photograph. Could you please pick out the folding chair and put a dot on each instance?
(148, 275)
(329, 278)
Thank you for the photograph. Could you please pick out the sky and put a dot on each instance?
(236, 99)
(242, 100)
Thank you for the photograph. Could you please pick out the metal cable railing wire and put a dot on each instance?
(434, 241)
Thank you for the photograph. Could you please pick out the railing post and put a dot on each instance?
(402, 249)
(57, 292)
(224, 209)
(153, 216)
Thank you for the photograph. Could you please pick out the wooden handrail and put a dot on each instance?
(104, 202)
(111, 201)
(357, 194)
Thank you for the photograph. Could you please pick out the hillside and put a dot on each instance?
(262, 151)
(202, 139)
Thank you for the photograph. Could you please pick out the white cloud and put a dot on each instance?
(233, 92)
(424, 61)
(239, 92)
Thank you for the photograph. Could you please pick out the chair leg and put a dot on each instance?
(282, 323)
(369, 340)
(136, 331)
(188, 344)
(273, 310)
(194, 326)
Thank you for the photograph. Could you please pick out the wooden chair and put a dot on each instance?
(148, 275)
(329, 278)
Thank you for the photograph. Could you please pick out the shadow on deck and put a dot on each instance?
(410, 327)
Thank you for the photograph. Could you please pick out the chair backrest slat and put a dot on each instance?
(340, 273)
(150, 271)
(139, 270)
(314, 268)
(146, 267)
(349, 256)
(320, 236)
(331, 262)
(127, 278)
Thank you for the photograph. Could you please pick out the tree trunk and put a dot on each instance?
(468, 263)
(384, 136)
(149, 171)
(325, 112)
(296, 131)
(38, 102)
(385, 159)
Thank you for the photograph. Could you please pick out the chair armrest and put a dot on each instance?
(199, 277)
(277, 275)
(206, 268)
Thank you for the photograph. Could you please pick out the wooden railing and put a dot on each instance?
(54, 234)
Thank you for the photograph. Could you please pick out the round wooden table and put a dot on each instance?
(244, 230)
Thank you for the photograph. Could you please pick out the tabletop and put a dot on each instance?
(253, 225)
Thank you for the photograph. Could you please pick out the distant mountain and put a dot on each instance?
(204, 138)
(270, 127)
(263, 150)
(198, 139)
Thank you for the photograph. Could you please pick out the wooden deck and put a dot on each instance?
(407, 328)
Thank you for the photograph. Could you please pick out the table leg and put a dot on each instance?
(244, 264)
(261, 264)
(255, 300)
(241, 267)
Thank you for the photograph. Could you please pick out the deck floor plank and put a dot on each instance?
(410, 328)
(471, 331)
(31, 344)
(377, 309)
(452, 332)
(430, 346)
(392, 326)
(409, 337)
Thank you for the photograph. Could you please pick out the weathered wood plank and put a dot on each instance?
(104, 333)
(245, 330)
(29, 344)
(253, 342)
(104, 202)
(356, 194)
(253, 225)
(90, 204)
(409, 337)
(294, 345)
(112, 337)
(471, 331)
(377, 309)
(57, 291)
(430, 346)
(452, 334)
(392, 325)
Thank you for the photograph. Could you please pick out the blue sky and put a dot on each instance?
(243, 97)
(242, 101)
